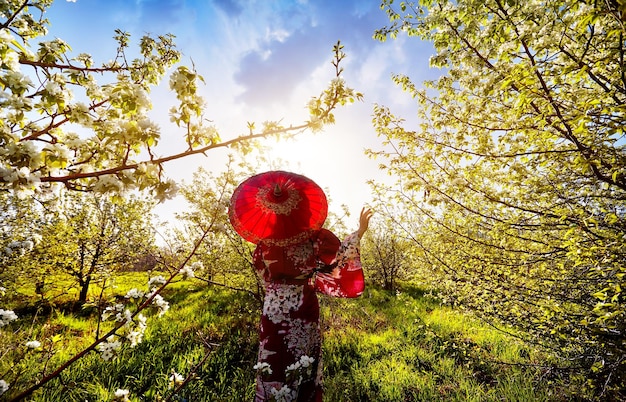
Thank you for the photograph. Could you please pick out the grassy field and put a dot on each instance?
(381, 347)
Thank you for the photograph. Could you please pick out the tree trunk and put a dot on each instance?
(84, 288)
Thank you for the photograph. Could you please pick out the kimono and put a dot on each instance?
(289, 364)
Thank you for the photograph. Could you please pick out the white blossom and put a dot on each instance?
(60, 151)
(73, 140)
(156, 281)
(19, 247)
(161, 304)
(285, 394)
(17, 81)
(141, 97)
(93, 90)
(6, 36)
(264, 368)
(306, 361)
(33, 344)
(180, 81)
(167, 190)
(148, 126)
(134, 294)
(4, 387)
(188, 272)
(109, 348)
(108, 183)
(109, 311)
(136, 336)
(28, 245)
(54, 46)
(79, 113)
(148, 169)
(125, 316)
(24, 192)
(176, 379)
(11, 59)
(14, 174)
(15, 102)
(301, 368)
(53, 88)
(121, 395)
(6, 316)
(293, 367)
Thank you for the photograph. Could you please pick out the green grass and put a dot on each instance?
(380, 347)
(408, 348)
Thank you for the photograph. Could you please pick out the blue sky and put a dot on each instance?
(263, 60)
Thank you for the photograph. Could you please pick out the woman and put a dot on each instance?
(296, 258)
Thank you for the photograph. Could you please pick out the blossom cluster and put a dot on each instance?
(6, 316)
(116, 111)
(18, 248)
(4, 387)
(161, 304)
(135, 335)
(119, 310)
(280, 301)
(189, 271)
(132, 327)
(134, 294)
(285, 394)
(108, 349)
(155, 282)
(121, 395)
(175, 380)
(300, 370)
(263, 368)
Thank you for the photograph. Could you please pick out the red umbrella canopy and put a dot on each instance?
(277, 208)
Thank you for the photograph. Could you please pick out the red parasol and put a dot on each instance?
(277, 208)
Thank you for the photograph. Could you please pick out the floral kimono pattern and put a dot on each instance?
(289, 365)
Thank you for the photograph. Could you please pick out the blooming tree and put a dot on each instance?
(73, 122)
(86, 236)
(223, 251)
(386, 253)
(516, 169)
(85, 125)
(94, 237)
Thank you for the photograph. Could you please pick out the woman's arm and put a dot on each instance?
(364, 221)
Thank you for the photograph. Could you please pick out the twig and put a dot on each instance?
(227, 286)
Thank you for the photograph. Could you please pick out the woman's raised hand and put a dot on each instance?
(364, 221)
